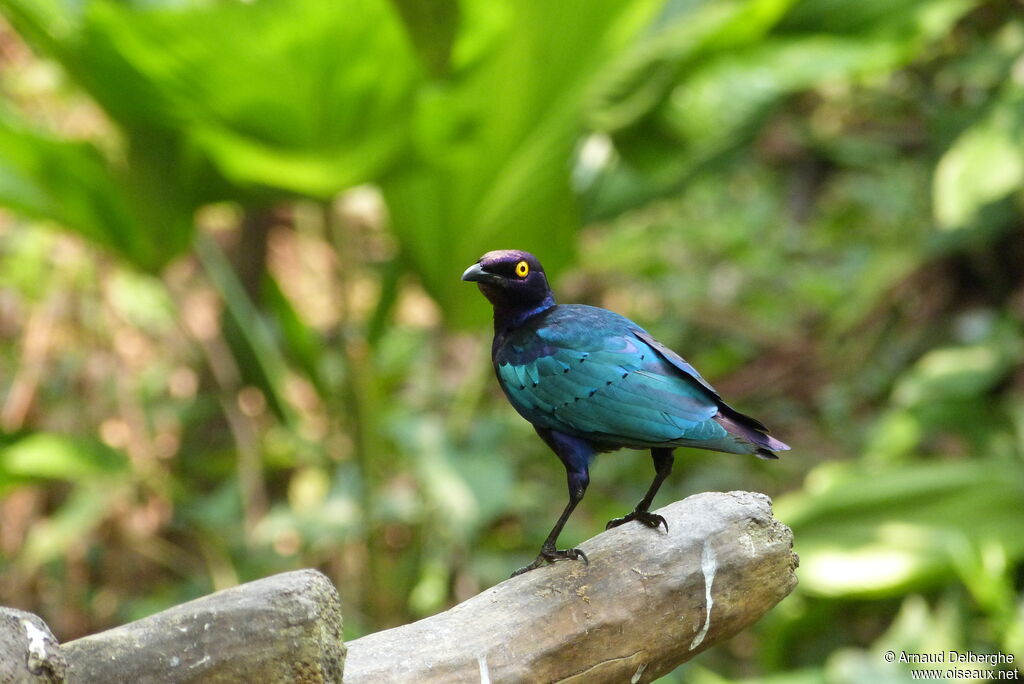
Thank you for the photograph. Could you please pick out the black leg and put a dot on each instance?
(663, 459)
(575, 454)
(548, 552)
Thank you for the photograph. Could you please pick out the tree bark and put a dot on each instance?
(29, 653)
(648, 601)
(284, 628)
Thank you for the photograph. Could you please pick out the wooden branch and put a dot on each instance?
(648, 601)
(284, 628)
(28, 651)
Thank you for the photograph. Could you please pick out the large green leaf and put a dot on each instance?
(963, 372)
(72, 184)
(709, 78)
(726, 95)
(867, 530)
(159, 176)
(296, 95)
(639, 83)
(299, 96)
(493, 142)
(984, 164)
(216, 102)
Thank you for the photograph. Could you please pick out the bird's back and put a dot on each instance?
(592, 373)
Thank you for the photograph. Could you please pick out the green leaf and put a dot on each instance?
(71, 183)
(708, 94)
(44, 23)
(867, 16)
(299, 95)
(280, 96)
(916, 629)
(432, 27)
(51, 538)
(984, 164)
(962, 372)
(640, 81)
(254, 331)
(870, 531)
(299, 339)
(728, 94)
(60, 457)
(142, 300)
(493, 143)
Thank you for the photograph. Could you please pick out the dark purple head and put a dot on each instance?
(512, 280)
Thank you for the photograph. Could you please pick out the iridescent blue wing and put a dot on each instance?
(593, 373)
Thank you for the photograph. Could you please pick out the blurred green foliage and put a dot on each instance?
(233, 339)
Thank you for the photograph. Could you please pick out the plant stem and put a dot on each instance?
(360, 411)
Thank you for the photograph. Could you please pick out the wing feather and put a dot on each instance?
(614, 389)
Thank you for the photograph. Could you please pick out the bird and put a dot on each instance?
(590, 381)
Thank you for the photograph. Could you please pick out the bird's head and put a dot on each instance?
(510, 278)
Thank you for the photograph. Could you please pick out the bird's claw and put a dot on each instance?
(547, 556)
(652, 520)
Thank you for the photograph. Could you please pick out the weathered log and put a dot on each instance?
(648, 601)
(284, 628)
(29, 653)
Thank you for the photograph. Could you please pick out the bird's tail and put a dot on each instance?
(750, 430)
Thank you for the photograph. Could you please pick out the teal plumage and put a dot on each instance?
(589, 372)
(590, 380)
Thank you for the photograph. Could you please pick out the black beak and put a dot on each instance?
(476, 273)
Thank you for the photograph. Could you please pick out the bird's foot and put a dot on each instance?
(547, 556)
(652, 520)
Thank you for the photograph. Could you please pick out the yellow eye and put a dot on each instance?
(522, 269)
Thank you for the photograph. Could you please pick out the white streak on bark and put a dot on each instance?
(485, 674)
(36, 640)
(708, 565)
